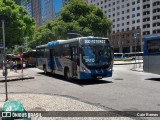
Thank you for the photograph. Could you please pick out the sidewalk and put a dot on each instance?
(39, 102)
(14, 75)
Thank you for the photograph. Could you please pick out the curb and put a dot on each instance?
(126, 63)
(137, 70)
(17, 79)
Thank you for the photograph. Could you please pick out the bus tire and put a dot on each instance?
(66, 74)
(45, 69)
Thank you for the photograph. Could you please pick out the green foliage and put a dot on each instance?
(21, 24)
(78, 16)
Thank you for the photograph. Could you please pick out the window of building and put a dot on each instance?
(138, 27)
(133, 21)
(128, 17)
(133, 9)
(122, 24)
(133, 3)
(128, 11)
(113, 3)
(138, 14)
(122, 18)
(122, 6)
(138, 1)
(117, 19)
(122, 12)
(133, 15)
(118, 13)
(133, 28)
(127, 4)
(127, 23)
(138, 20)
(138, 8)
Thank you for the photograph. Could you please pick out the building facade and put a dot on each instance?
(36, 12)
(47, 11)
(132, 20)
(28, 7)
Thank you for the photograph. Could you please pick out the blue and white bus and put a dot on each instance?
(79, 58)
(151, 59)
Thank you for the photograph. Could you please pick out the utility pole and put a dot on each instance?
(5, 21)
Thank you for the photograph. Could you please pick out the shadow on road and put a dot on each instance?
(76, 81)
(153, 79)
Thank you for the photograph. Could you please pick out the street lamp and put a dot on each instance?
(74, 34)
(136, 47)
(5, 22)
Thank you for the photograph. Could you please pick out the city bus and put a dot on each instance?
(30, 58)
(134, 55)
(119, 56)
(79, 58)
(151, 59)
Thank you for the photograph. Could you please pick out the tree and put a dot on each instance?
(19, 1)
(77, 16)
(90, 19)
(21, 24)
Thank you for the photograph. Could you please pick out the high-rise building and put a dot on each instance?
(132, 20)
(37, 13)
(47, 11)
(28, 6)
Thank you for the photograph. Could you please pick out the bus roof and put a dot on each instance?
(53, 43)
(152, 38)
(41, 46)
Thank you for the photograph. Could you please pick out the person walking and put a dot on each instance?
(11, 65)
(15, 66)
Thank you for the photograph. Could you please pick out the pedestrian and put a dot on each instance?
(15, 66)
(11, 65)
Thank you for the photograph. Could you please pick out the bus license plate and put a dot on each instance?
(99, 77)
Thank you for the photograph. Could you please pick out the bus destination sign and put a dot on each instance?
(93, 41)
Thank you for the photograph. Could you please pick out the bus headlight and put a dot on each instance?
(84, 70)
(110, 68)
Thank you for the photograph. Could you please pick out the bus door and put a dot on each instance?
(74, 58)
(52, 62)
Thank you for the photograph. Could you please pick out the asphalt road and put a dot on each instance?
(126, 91)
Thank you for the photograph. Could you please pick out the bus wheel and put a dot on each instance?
(45, 69)
(66, 74)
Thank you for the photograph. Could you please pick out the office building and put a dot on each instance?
(132, 20)
(36, 12)
(28, 7)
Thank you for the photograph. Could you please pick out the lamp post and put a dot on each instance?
(135, 50)
(5, 22)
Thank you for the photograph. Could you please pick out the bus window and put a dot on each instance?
(153, 46)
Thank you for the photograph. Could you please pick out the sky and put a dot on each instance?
(58, 5)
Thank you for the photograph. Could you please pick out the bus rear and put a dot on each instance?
(151, 58)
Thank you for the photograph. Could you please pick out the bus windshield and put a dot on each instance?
(96, 55)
